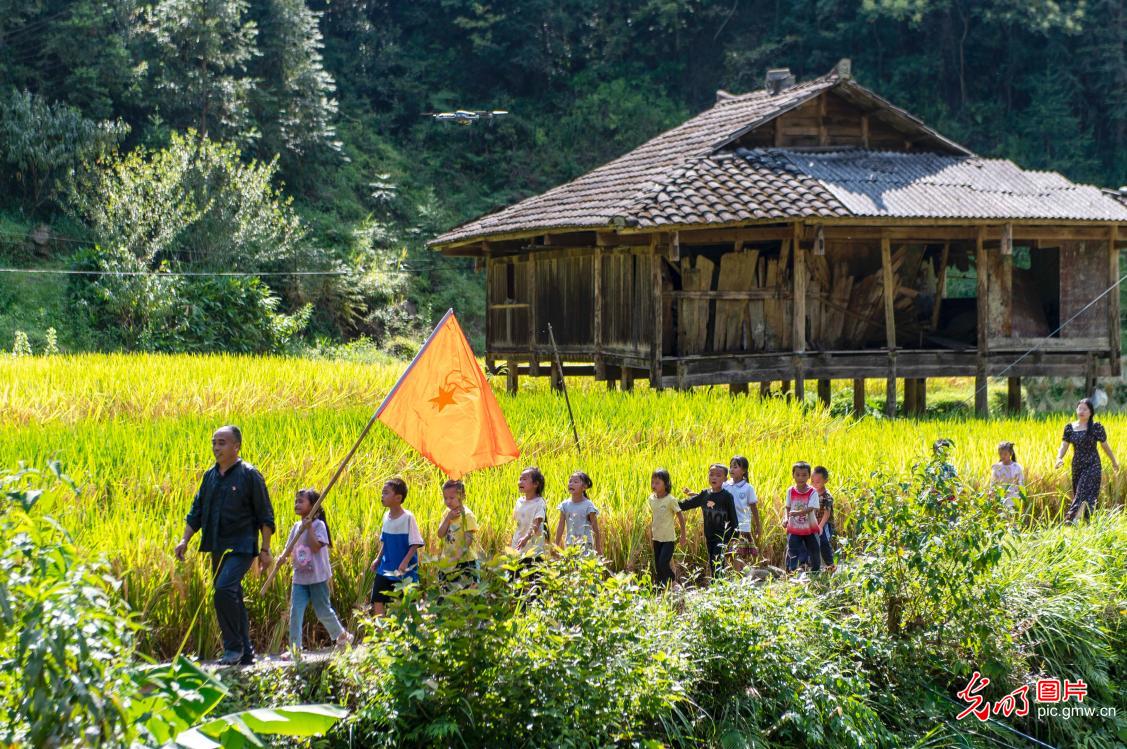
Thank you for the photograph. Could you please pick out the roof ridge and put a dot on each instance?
(761, 93)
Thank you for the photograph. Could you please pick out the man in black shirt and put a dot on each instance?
(230, 509)
(718, 508)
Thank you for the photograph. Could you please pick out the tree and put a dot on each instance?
(80, 52)
(199, 52)
(43, 145)
(194, 203)
(293, 99)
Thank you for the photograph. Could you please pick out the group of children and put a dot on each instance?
(729, 508)
(732, 526)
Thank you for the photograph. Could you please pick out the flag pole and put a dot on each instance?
(290, 543)
(563, 386)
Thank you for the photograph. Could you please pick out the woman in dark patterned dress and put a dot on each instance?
(1084, 434)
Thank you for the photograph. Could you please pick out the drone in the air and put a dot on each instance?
(466, 116)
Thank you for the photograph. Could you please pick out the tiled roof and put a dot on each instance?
(769, 183)
(690, 175)
(591, 200)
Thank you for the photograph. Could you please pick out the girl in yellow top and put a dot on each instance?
(664, 509)
(458, 531)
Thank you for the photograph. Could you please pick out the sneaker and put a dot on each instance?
(247, 659)
(344, 640)
(232, 658)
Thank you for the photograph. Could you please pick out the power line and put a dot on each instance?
(1041, 345)
(52, 238)
(67, 272)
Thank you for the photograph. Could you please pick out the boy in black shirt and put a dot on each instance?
(718, 509)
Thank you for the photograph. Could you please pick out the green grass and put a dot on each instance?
(134, 431)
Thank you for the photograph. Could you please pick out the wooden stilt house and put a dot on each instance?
(804, 231)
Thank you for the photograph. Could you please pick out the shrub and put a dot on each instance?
(21, 345)
(926, 546)
(65, 633)
(164, 312)
(592, 661)
(68, 677)
(194, 202)
(780, 667)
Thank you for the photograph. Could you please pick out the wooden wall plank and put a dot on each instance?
(1083, 275)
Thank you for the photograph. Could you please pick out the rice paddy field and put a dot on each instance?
(134, 432)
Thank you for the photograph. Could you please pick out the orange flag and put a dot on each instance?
(443, 406)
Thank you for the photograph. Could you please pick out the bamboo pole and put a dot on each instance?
(563, 385)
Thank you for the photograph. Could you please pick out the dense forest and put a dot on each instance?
(269, 137)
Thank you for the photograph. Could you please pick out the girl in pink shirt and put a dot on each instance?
(311, 572)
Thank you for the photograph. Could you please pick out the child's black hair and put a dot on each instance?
(585, 479)
(719, 467)
(1008, 446)
(398, 485)
(741, 461)
(537, 478)
(822, 471)
(312, 495)
(800, 465)
(665, 478)
(455, 484)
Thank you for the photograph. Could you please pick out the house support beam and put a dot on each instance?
(889, 292)
(981, 270)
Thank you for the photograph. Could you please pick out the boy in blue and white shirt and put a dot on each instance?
(747, 510)
(400, 541)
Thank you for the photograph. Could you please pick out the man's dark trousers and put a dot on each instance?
(229, 570)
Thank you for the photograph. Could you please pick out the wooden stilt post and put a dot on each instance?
(890, 387)
(784, 388)
(764, 390)
(824, 393)
(512, 379)
(656, 252)
(680, 376)
(613, 375)
(859, 397)
(737, 388)
(909, 396)
(627, 379)
(1013, 395)
(981, 396)
(889, 294)
(921, 396)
